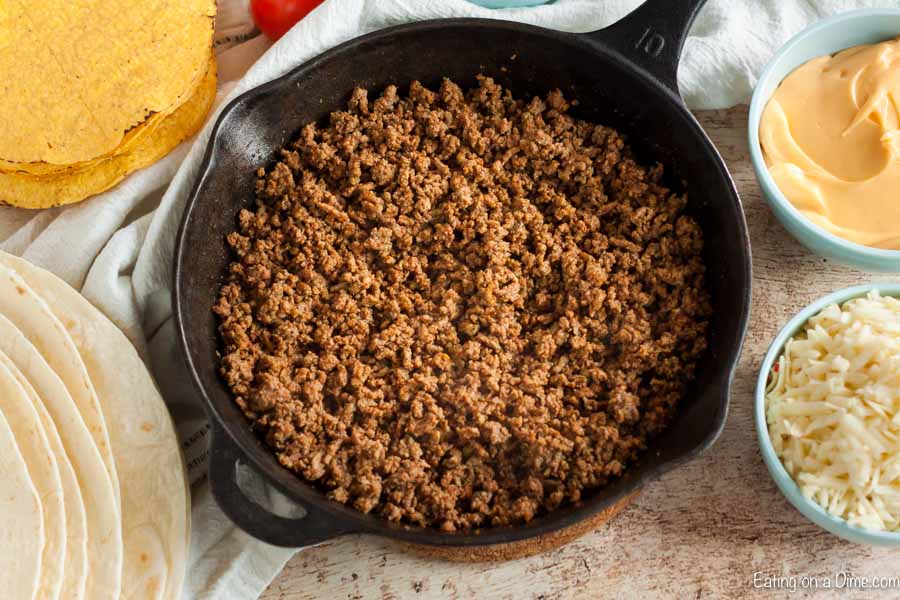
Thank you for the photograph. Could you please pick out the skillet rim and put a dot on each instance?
(348, 520)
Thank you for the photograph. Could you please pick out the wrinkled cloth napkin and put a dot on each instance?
(117, 248)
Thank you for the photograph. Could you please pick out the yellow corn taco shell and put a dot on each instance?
(78, 75)
(28, 190)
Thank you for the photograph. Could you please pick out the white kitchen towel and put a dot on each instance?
(117, 247)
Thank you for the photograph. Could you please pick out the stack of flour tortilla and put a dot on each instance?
(93, 494)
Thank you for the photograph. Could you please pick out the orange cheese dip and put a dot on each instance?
(830, 136)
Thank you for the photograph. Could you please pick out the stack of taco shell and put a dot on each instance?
(91, 90)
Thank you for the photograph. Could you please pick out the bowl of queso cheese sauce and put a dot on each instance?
(824, 132)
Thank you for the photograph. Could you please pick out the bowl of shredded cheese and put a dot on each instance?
(827, 413)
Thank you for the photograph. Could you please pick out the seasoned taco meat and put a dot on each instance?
(459, 309)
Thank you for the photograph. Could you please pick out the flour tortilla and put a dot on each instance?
(23, 420)
(74, 566)
(31, 315)
(21, 523)
(155, 493)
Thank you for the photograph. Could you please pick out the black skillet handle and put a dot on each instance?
(315, 527)
(652, 36)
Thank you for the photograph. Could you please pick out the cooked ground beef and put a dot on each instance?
(461, 309)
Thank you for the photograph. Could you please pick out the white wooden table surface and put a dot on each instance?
(701, 531)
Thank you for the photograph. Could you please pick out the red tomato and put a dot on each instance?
(275, 17)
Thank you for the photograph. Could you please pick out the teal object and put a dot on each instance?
(866, 26)
(509, 3)
(783, 480)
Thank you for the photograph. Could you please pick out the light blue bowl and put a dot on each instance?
(508, 3)
(783, 480)
(825, 37)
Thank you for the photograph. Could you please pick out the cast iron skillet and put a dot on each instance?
(623, 76)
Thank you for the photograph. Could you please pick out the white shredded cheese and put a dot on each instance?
(833, 410)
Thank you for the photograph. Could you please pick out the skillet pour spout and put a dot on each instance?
(623, 76)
